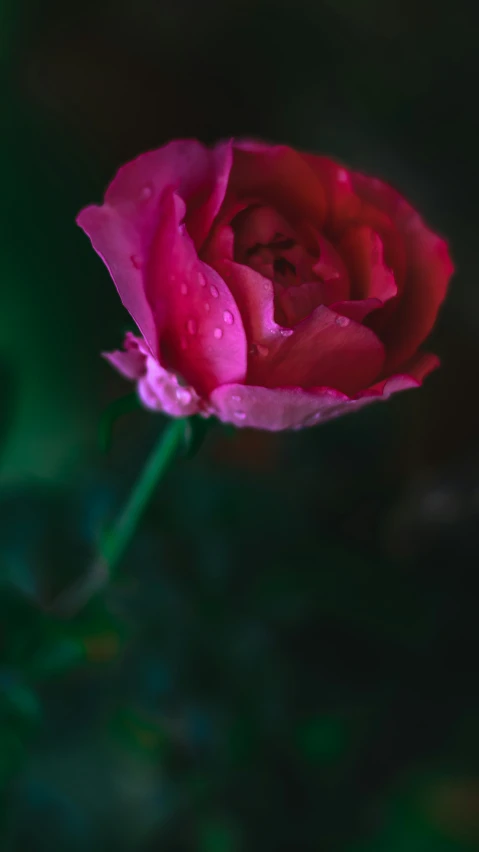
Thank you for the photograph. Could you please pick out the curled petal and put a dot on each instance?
(158, 389)
(429, 269)
(362, 250)
(280, 177)
(276, 409)
(326, 349)
(122, 229)
(343, 205)
(200, 327)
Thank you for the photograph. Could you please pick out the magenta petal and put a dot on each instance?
(122, 229)
(362, 250)
(429, 269)
(131, 363)
(253, 293)
(199, 324)
(273, 409)
(276, 409)
(326, 349)
(158, 389)
(119, 242)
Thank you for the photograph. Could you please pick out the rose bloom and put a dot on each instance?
(271, 288)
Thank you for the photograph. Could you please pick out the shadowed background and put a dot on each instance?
(287, 658)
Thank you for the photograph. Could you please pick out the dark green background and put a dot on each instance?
(287, 659)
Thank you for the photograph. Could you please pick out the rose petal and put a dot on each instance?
(362, 251)
(199, 324)
(252, 292)
(294, 408)
(130, 362)
(429, 268)
(122, 229)
(346, 207)
(158, 389)
(297, 303)
(272, 409)
(343, 205)
(326, 349)
(278, 176)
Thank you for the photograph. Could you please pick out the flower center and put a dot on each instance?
(302, 278)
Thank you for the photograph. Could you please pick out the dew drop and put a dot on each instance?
(342, 176)
(240, 415)
(191, 326)
(343, 322)
(258, 349)
(207, 307)
(214, 291)
(286, 332)
(228, 317)
(184, 290)
(146, 192)
(236, 398)
(202, 279)
(183, 396)
(218, 333)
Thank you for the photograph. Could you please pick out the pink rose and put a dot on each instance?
(271, 288)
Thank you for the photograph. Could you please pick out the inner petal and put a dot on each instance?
(267, 243)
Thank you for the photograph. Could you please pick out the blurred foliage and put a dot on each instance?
(287, 659)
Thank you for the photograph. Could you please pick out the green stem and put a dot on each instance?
(117, 539)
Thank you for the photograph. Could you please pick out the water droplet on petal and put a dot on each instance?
(343, 322)
(146, 192)
(266, 286)
(236, 398)
(342, 176)
(240, 415)
(214, 291)
(286, 332)
(201, 279)
(218, 333)
(228, 318)
(207, 307)
(184, 290)
(191, 326)
(258, 349)
(183, 396)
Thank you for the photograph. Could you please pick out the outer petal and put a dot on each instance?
(158, 389)
(122, 229)
(429, 268)
(347, 207)
(199, 324)
(362, 250)
(294, 408)
(343, 205)
(326, 349)
(278, 176)
(273, 409)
